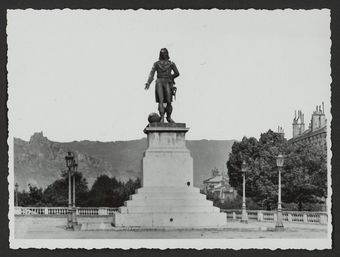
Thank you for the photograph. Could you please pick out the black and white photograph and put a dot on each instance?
(170, 128)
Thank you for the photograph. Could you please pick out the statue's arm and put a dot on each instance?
(175, 70)
(151, 75)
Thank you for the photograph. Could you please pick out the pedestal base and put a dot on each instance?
(169, 207)
(179, 220)
(168, 198)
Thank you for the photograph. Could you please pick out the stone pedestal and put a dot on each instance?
(167, 197)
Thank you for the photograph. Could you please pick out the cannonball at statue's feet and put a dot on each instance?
(170, 120)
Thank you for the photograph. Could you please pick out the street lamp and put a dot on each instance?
(16, 194)
(244, 218)
(69, 158)
(75, 166)
(279, 164)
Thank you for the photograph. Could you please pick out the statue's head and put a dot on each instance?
(164, 54)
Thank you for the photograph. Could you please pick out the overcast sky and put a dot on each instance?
(79, 75)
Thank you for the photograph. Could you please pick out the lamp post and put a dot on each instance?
(244, 218)
(16, 194)
(279, 164)
(75, 166)
(69, 158)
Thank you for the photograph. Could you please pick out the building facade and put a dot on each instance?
(218, 185)
(316, 134)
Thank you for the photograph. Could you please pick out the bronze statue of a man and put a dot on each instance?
(166, 73)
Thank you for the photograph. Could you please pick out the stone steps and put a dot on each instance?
(173, 219)
(179, 189)
(168, 209)
(168, 202)
(155, 206)
(168, 195)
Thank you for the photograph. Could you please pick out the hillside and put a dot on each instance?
(40, 161)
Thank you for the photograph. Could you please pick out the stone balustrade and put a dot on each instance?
(81, 211)
(256, 215)
(288, 216)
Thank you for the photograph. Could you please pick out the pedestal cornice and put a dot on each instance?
(165, 127)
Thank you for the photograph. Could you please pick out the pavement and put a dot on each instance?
(53, 227)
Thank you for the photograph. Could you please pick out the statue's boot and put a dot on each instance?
(161, 112)
(162, 118)
(168, 118)
(168, 113)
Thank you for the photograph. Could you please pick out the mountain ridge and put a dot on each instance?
(40, 161)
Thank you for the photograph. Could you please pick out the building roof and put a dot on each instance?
(214, 179)
(218, 186)
(224, 188)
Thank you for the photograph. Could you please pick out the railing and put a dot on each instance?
(257, 215)
(271, 216)
(81, 211)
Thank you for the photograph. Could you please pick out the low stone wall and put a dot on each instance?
(288, 216)
(258, 215)
(60, 211)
